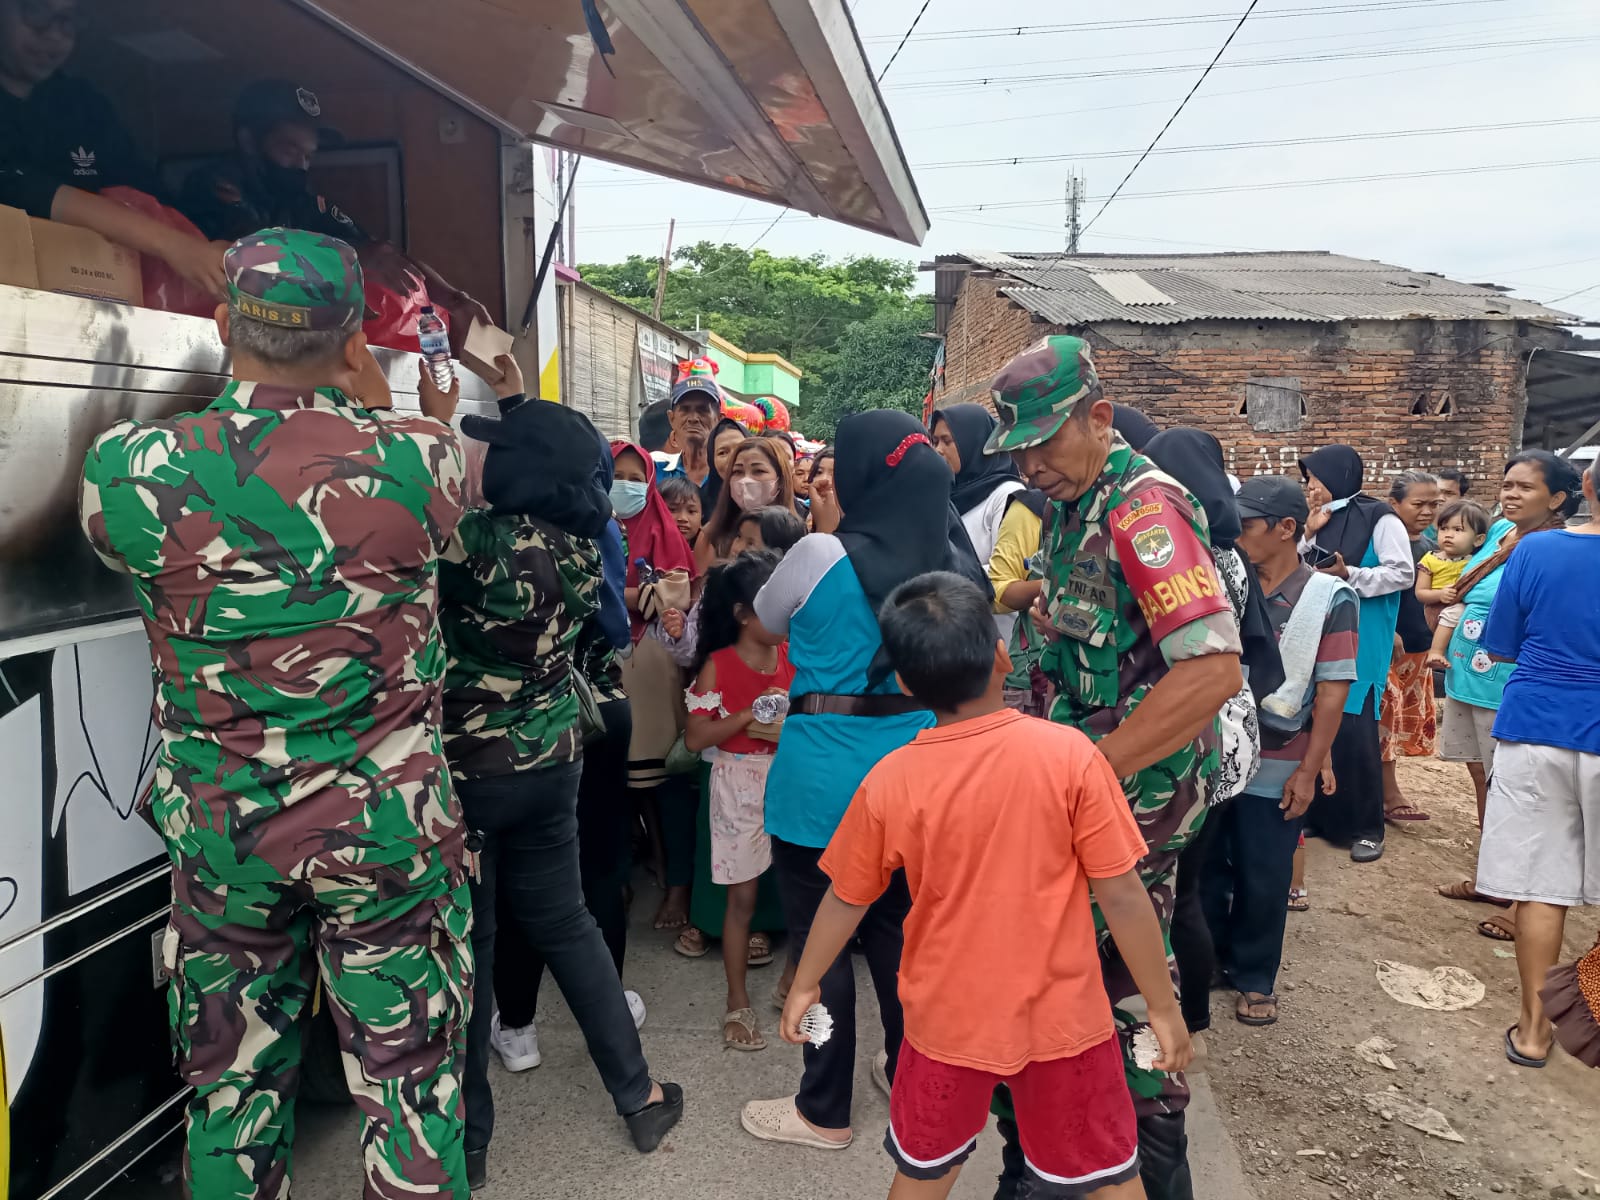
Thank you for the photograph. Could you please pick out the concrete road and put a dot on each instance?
(556, 1135)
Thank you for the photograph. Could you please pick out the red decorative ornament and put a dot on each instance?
(900, 451)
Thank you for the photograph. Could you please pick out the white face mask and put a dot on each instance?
(751, 494)
(628, 497)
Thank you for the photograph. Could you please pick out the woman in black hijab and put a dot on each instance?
(983, 481)
(1194, 458)
(1363, 541)
(730, 433)
(888, 478)
(845, 715)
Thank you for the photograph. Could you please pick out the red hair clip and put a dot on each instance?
(900, 451)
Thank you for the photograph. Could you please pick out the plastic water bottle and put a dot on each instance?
(435, 341)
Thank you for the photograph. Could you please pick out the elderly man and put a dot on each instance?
(283, 544)
(695, 407)
(1144, 652)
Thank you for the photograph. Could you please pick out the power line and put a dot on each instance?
(1211, 18)
(1207, 148)
(1570, 295)
(765, 231)
(1274, 143)
(1274, 185)
(1376, 35)
(1017, 82)
(1116, 191)
(909, 31)
(1035, 117)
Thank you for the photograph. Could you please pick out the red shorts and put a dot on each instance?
(1074, 1115)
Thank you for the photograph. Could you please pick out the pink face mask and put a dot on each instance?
(751, 494)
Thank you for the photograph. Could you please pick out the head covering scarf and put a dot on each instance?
(541, 464)
(1350, 524)
(711, 489)
(1194, 458)
(970, 425)
(1136, 428)
(893, 488)
(653, 533)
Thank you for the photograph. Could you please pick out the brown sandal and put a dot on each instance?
(1465, 890)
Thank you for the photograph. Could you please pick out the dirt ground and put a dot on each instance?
(1294, 1094)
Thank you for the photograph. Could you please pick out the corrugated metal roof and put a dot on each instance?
(1291, 286)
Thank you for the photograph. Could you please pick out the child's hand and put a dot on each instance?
(1447, 595)
(1177, 1051)
(672, 623)
(1330, 785)
(1436, 661)
(794, 1008)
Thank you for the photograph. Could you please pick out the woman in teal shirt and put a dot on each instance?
(1539, 491)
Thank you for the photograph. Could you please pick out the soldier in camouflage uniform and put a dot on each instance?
(1144, 652)
(283, 546)
(520, 579)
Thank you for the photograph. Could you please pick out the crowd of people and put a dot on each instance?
(1032, 707)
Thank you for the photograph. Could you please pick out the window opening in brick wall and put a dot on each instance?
(1273, 405)
(1432, 404)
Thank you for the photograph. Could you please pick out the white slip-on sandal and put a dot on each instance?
(780, 1121)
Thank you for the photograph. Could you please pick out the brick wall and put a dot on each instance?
(1359, 380)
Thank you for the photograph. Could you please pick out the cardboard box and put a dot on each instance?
(82, 263)
(484, 344)
(16, 249)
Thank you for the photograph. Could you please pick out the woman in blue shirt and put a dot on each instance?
(1541, 828)
(1539, 491)
(848, 713)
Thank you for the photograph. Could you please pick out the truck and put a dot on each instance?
(452, 111)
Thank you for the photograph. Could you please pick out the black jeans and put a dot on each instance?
(528, 823)
(605, 807)
(1246, 888)
(1355, 811)
(829, 1081)
(1191, 939)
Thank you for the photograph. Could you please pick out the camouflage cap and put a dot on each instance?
(295, 279)
(1036, 391)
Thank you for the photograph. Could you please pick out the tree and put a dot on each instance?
(882, 362)
(807, 309)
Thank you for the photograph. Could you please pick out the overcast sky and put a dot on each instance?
(1413, 64)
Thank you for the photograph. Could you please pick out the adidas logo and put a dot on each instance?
(84, 160)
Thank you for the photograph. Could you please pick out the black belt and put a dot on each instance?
(888, 704)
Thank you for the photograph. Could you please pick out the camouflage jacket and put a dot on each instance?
(515, 594)
(1131, 586)
(597, 659)
(284, 552)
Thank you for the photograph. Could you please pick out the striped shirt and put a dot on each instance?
(1336, 661)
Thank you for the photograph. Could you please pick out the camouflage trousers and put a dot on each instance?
(391, 947)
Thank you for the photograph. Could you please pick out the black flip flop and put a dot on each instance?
(1519, 1058)
(1244, 1018)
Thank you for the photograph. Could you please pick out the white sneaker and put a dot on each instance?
(636, 1007)
(518, 1048)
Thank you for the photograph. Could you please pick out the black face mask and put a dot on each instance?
(284, 183)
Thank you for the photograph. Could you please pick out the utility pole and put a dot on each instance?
(661, 271)
(1075, 198)
(572, 209)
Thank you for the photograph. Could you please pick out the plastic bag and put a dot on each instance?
(393, 319)
(164, 288)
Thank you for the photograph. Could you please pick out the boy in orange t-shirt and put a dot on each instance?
(1002, 823)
